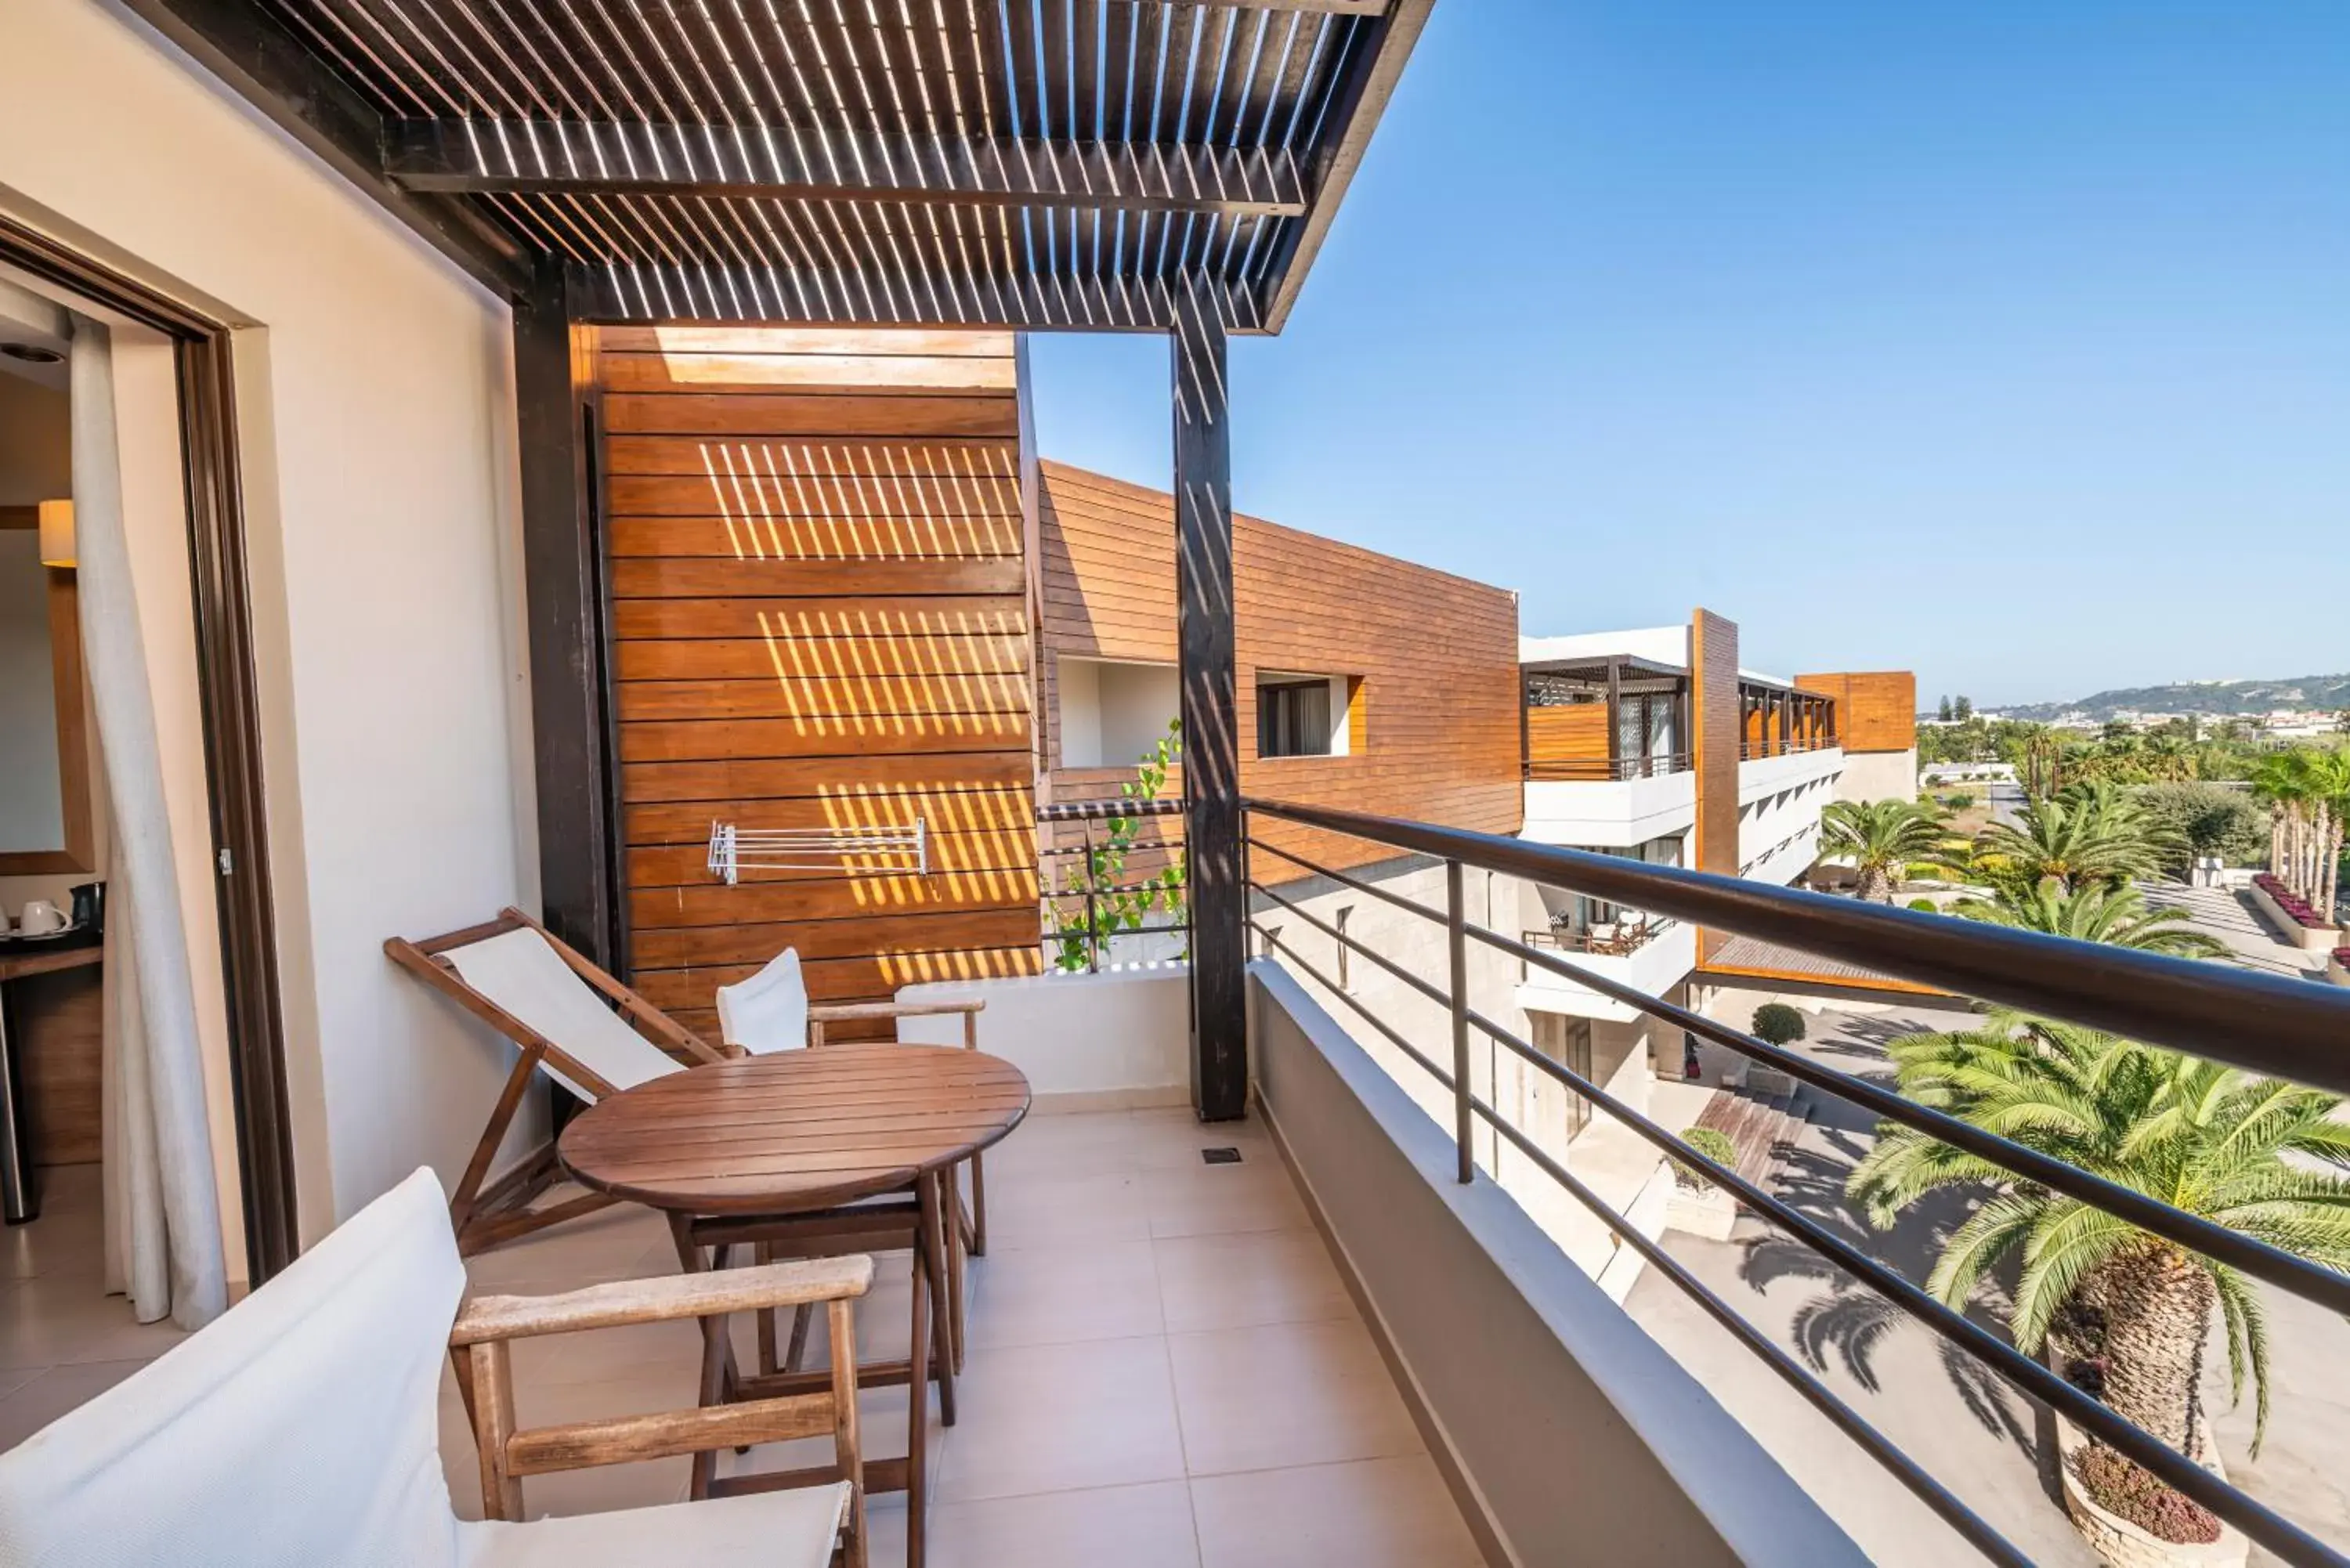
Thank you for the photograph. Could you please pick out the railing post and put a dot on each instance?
(1456, 940)
(1093, 914)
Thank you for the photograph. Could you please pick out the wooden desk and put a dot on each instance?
(49, 1052)
(794, 1133)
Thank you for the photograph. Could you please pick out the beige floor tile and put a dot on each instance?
(1173, 1137)
(1090, 1145)
(1061, 1210)
(51, 1393)
(1250, 1277)
(1106, 1526)
(59, 1319)
(1213, 1200)
(1053, 1295)
(1371, 1513)
(1285, 1394)
(1057, 1417)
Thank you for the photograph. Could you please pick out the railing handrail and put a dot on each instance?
(1604, 770)
(2262, 1023)
(1690, 895)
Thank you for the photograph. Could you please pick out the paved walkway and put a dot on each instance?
(1964, 1425)
(2229, 914)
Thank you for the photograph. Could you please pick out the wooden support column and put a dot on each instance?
(563, 572)
(1211, 709)
(1614, 717)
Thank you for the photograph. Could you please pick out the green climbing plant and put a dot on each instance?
(1095, 902)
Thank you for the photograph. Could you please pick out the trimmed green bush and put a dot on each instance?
(1714, 1145)
(1778, 1024)
(1926, 905)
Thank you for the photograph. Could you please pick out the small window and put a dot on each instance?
(1293, 719)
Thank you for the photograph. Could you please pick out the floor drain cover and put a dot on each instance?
(1220, 1156)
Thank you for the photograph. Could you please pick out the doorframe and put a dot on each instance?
(230, 700)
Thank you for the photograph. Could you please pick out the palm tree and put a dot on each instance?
(2246, 1152)
(2093, 833)
(2115, 915)
(2282, 779)
(1881, 840)
(2328, 775)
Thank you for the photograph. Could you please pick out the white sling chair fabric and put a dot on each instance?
(768, 1011)
(300, 1431)
(519, 971)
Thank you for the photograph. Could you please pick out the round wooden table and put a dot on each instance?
(733, 1151)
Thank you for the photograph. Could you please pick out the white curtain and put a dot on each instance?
(162, 1213)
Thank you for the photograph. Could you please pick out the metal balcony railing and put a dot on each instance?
(2263, 1023)
(1601, 770)
(1748, 751)
(1110, 873)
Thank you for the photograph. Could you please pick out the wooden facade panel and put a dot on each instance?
(1716, 722)
(889, 587)
(819, 611)
(949, 460)
(899, 620)
(838, 898)
(822, 698)
(732, 485)
(1877, 711)
(774, 416)
(710, 738)
(1434, 726)
(1575, 733)
(815, 538)
(778, 655)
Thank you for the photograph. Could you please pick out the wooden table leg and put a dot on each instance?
(918, 1403)
(931, 1235)
(718, 1370)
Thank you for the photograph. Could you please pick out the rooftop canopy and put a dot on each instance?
(1025, 163)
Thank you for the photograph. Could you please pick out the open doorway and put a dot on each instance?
(141, 1076)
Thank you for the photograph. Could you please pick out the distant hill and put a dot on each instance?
(2219, 699)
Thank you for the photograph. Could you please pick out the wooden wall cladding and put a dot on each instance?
(1877, 711)
(1573, 733)
(1436, 711)
(819, 621)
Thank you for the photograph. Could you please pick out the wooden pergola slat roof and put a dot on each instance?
(1025, 163)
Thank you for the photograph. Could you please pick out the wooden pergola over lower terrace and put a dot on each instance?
(1090, 165)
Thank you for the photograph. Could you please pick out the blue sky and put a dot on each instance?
(2008, 342)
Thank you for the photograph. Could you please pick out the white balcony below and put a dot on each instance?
(1656, 966)
(1761, 776)
(1610, 814)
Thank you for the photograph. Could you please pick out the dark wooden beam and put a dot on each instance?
(579, 157)
(621, 292)
(1362, 99)
(563, 599)
(1211, 710)
(269, 67)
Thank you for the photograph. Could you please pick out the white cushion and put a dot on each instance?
(299, 1431)
(772, 1529)
(767, 1012)
(519, 971)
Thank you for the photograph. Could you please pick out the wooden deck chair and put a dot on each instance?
(559, 1009)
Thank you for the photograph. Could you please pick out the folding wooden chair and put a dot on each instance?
(595, 1036)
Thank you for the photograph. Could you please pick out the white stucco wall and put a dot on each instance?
(375, 398)
(1881, 775)
(1118, 1039)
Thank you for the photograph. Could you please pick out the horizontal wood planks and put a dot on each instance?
(1877, 711)
(1573, 733)
(820, 621)
(1437, 712)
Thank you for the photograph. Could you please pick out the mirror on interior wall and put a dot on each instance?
(45, 825)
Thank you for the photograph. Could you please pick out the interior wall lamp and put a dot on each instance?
(57, 533)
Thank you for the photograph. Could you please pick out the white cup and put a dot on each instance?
(41, 917)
